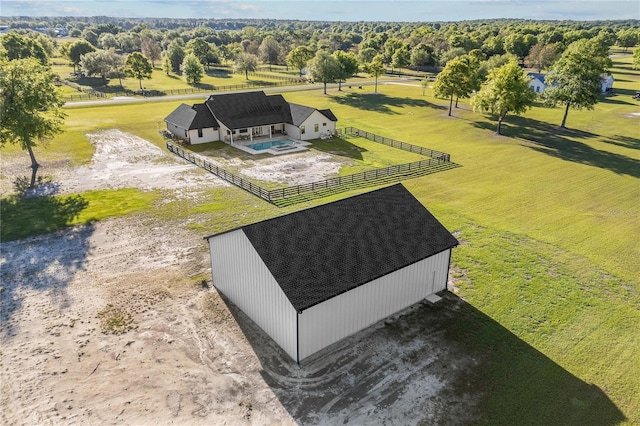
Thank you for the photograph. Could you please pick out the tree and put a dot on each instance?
(108, 41)
(424, 83)
(166, 64)
(299, 57)
(348, 65)
(30, 106)
(636, 59)
(375, 69)
(175, 52)
(101, 62)
(77, 49)
(541, 56)
(506, 91)
(324, 67)
(151, 49)
(203, 51)
(269, 50)
(516, 45)
(246, 63)
(575, 80)
(401, 58)
(458, 78)
(192, 69)
(138, 66)
(627, 38)
(17, 46)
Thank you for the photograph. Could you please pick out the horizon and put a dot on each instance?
(334, 11)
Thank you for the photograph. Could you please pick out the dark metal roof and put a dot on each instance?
(319, 253)
(244, 110)
(188, 117)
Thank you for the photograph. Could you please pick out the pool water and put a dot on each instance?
(271, 144)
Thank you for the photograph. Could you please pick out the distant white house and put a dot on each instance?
(235, 117)
(607, 82)
(538, 84)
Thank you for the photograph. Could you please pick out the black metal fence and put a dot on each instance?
(398, 144)
(436, 161)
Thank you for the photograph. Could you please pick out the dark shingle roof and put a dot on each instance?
(243, 110)
(329, 114)
(188, 117)
(182, 116)
(299, 113)
(319, 253)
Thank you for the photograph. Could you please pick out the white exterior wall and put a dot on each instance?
(292, 131)
(241, 275)
(178, 131)
(537, 85)
(208, 135)
(317, 118)
(344, 315)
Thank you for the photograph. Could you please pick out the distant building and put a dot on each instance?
(538, 84)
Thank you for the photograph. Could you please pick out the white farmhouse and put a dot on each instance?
(314, 277)
(235, 117)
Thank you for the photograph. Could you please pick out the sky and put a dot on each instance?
(345, 10)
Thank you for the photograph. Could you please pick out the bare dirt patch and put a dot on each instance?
(112, 323)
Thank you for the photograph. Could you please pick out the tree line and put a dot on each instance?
(480, 58)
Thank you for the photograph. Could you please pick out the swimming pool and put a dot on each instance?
(262, 146)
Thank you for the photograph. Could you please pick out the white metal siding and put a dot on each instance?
(344, 315)
(208, 135)
(240, 274)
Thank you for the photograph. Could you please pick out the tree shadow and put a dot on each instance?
(381, 103)
(205, 86)
(340, 147)
(446, 363)
(44, 263)
(217, 73)
(624, 141)
(564, 144)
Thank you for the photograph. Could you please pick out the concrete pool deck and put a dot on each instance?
(293, 145)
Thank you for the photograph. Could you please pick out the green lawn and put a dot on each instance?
(549, 221)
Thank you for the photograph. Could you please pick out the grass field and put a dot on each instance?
(549, 221)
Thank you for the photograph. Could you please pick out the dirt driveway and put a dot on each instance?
(184, 356)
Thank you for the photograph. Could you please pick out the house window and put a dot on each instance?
(244, 130)
(315, 128)
(199, 133)
(302, 130)
(537, 89)
(324, 124)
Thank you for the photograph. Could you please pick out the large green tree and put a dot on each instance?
(192, 69)
(376, 69)
(269, 50)
(458, 79)
(102, 63)
(506, 91)
(77, 49)
(636, 59)
(575, 80)
(246, 63)
(299, 57)
(175, 52)
(30, 106)
(324, 67)
(138, 66)
(348, 65)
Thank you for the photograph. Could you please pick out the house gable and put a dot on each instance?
(322, 252)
